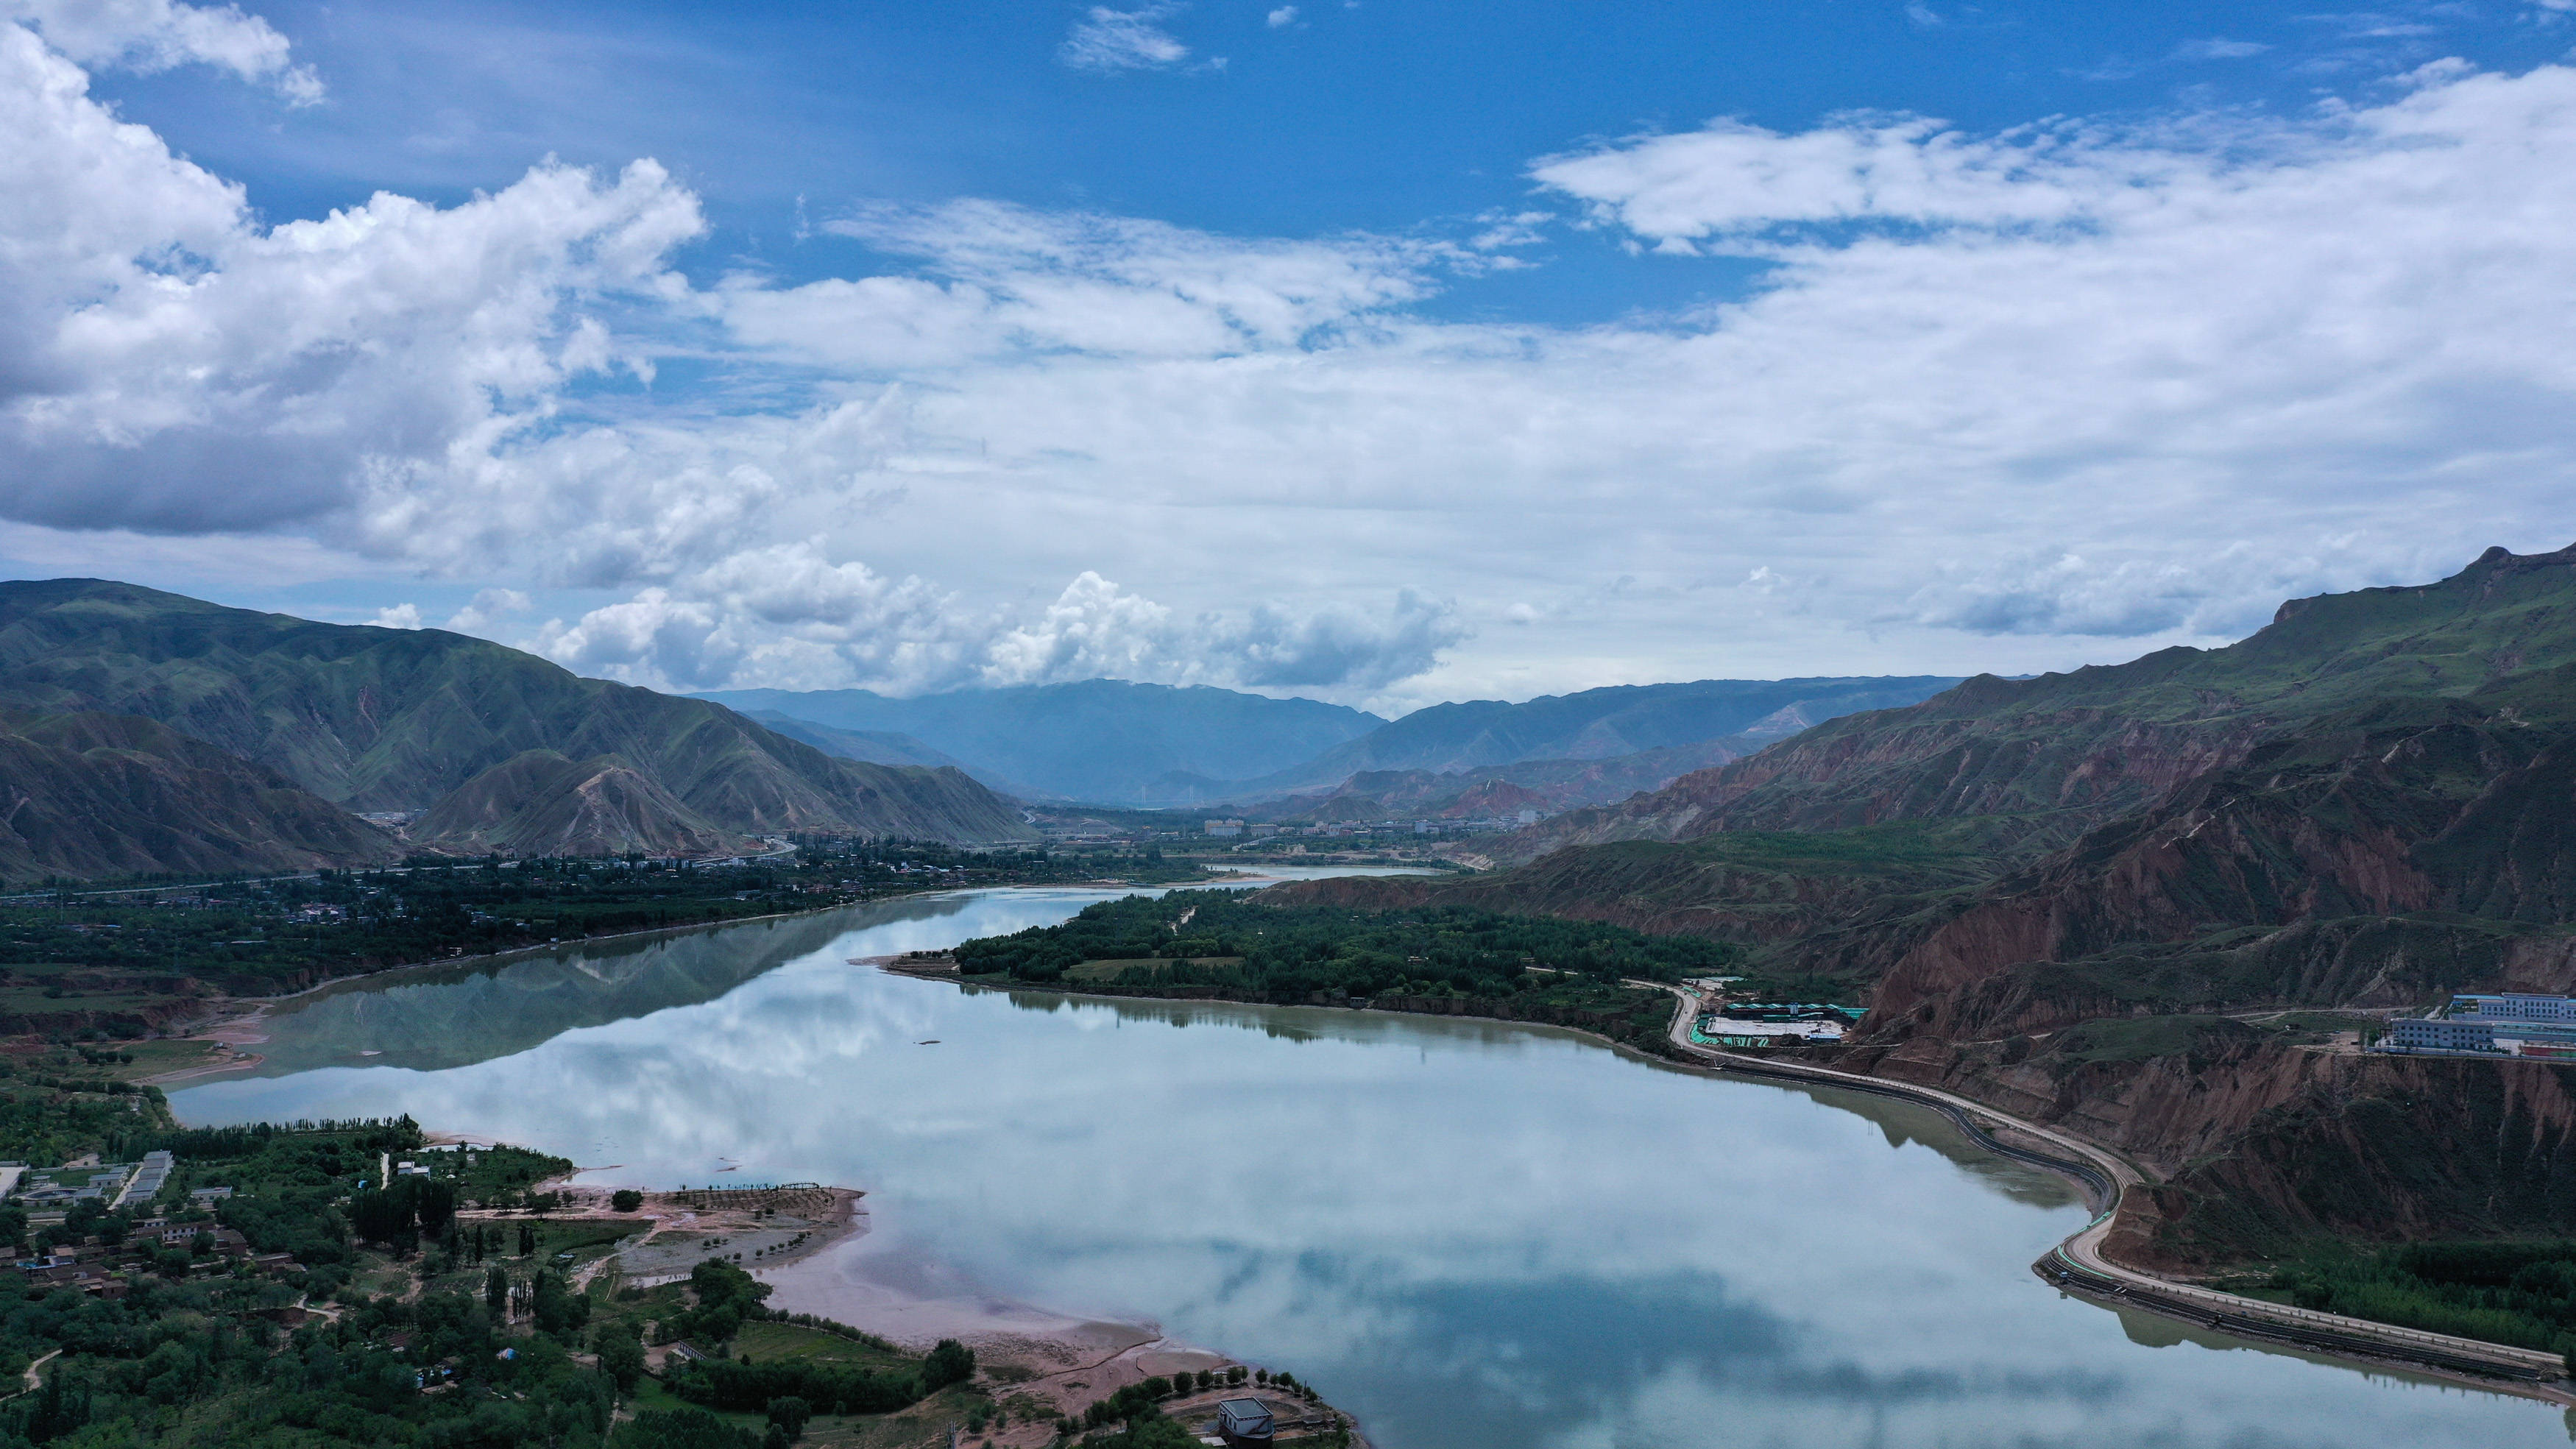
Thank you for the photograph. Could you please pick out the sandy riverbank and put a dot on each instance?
(905, 1293)
(818, 1251)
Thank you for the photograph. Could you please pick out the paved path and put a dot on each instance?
(2078, 1263)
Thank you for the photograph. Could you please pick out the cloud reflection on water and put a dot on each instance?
(1472, 1234)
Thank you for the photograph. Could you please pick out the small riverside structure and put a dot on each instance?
(1244, 1421)
(1753, 1025)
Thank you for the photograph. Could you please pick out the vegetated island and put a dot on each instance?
(365, 1282)
(2497, 1313)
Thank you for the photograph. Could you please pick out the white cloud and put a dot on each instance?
(1922, 16)
(784, 615)
(1286, 15)
(167, 363)
(400, 616)
(2219, 48)
(1004, 280)
(158, 35)
(1730, 186)
(1999, 399)
(1114, 40)
(484, 613)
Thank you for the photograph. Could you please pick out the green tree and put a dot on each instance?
(626, 1200)
(950, 1362)
(622, 1359)
(496, 1290)
(790, 1413)
(557, 1309)
(680, 1429)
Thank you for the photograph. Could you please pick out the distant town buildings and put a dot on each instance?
(2481, 1025)
(2469, 1006)
(1225, 828)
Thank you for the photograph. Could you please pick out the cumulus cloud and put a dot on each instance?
(166, 363)
(787, 616)
(489, 607)
(1110, 40)
(158, 35)
(1286, 15)
(1999, 397)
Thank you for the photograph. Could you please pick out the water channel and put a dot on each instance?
(1472, 1236)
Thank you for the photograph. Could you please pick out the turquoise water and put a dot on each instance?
(1467, 1234)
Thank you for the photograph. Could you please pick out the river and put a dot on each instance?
(1470, 1235)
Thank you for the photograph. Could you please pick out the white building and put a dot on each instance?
(2468, 1007)
(2439, 1034)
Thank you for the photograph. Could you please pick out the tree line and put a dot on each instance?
(1263, 952)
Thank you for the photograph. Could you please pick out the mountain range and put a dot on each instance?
(2118, 898)
(1107, 742)
(262, 718)
(146, 732)
(1102, 741)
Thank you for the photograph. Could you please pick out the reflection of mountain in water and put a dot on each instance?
(1900, 1122)
(439, 1019)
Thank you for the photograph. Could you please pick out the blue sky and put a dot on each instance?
(1390, 116)
(1386, 352)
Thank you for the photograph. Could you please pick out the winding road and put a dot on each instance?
(2078, 1265)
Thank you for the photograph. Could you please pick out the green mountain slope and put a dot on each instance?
(99, 794)
(394, 719)
(1102, 740)
(2064, 752)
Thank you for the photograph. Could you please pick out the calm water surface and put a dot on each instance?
(1467, 1234)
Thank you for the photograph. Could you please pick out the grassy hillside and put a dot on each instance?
(102, 794)
(2094, 743)
(396, 719)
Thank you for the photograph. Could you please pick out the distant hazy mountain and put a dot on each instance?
(1102, 740)
(110, 794)
(887, 747)
(403, 719)
(1596, 724)
(1500, 790)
